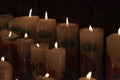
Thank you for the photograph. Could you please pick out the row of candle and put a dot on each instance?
(91, 40)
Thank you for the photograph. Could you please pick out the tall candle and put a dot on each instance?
(45, 29)
(91, 50)
(38, 52)
(67, 37)
(5, 70)
(55, 60)
(113, 56)
(88, 77)
(23, 46)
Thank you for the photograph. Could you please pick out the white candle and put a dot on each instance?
(91, 46)
(55, 60)
(88, 77)
(38, 52)
(113, 50)
(8, 36)
(23, 47)
(46, 77)
(26, 23)
(45, 29)
(5, 70)
(67, 34)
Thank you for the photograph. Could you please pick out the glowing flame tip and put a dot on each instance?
(119, 32)
(47, 75)
(10, 33)
(30, 12)
(37, 45)
(88, 76)
(46, 16)
(56, 45)
(90, 28)
(26, 35)
(67, 22)
(2, 59)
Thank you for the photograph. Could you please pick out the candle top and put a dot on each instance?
(70, 25)
(95, 29)
(84, 78)
(41, 45)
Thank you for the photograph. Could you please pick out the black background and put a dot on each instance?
(98, 13)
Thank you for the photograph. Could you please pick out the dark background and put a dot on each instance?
(98, 13)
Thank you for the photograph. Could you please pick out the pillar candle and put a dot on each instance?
(113, 56)
(5, 70)
(38, 52)
(23, 47)
(8, 36)
(55, 60)
(46, 30)
(67, 37)
(24, 23)
(4, 19)
(88, 77)
(91, 51)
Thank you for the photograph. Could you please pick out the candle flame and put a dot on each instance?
(90, 28)
(37, 45)
(47, 75)
(10, 33)
(119, 32)
(67, 22)
(30, 12)
(88, 76)
(2, 59)
(56, 45)
(26, 35)
(46, 16)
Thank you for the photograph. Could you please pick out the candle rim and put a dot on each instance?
(113, 36)
(49, 19)
(42, 45)
(70, 25)
(95, 29)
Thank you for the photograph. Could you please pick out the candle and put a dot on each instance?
(67, 37)
(5, 70)
(24, 23)
(67, 33)
(4, 19)
(55, 60)
(113, 49)
(46, 77)
(8, 36)
(88, 77)
(38, 52)
(45, 29)
(91, 50)
(23, 47)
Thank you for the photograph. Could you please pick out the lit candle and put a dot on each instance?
(88, 77)
(23, 46)
(26, 23)
(67, 37)
(45, 30)
(8, 36)
(91, 50)
(113, 49)
(46, 77)
(55, 60)
(67, 33)
(38, 52)
(5, 70)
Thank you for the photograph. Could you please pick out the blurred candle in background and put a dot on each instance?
(91, 51)
(23, 47)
